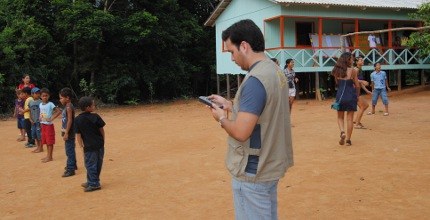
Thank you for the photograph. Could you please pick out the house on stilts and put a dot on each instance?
(309, 31)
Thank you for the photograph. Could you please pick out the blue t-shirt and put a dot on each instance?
(253, 100)
(34, 109)
(378, 79)
(46, 110)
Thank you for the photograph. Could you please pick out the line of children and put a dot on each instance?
(88, 127)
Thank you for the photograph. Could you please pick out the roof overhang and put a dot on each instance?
(363, 4)
(217, 12)
(390, 4)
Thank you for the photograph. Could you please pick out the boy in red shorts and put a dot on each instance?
(47, 109)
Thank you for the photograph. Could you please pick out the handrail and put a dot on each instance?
(320, 60)
(342, 37)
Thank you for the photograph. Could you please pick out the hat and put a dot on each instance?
(35, 89)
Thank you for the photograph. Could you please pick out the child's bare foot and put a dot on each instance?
(37, 151)
(20, 139)
(45, 160)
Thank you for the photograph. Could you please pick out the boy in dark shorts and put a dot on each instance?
(90, 136)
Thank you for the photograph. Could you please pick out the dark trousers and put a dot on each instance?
(93, 164)
(27, 125)
(71, 154)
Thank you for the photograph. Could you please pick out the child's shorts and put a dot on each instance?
(379, 92)
(35, 131)
(48, 134)
(20, 123)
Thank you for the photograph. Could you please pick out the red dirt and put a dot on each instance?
(166, 161)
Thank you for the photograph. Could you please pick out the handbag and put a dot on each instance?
(336, 103)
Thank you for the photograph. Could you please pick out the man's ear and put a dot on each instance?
(244, 46)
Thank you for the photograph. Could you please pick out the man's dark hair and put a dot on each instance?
(374, 65)
(26, 90)
(85, 102)
(44, 90)
(245, 30)
(66, 92)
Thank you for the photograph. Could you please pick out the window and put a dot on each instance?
(303, 29)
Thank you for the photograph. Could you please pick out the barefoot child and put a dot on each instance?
(26, 112)
(91, 136)
(34, 106)
(67, 130)
(48, 132)
(19, 106)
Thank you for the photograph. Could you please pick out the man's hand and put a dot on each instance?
(221, 101)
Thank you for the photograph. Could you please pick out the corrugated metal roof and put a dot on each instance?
(395, 4)
(409, 4)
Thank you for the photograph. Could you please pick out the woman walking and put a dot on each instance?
(347, 93)
(362, 102)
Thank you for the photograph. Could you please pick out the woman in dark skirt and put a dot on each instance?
(348, 89)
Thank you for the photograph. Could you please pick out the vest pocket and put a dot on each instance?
(236, 160)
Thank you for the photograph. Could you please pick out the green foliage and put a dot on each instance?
(119, 51)
(133, 101)
(87, 88)
(421, 39)
(138, 26)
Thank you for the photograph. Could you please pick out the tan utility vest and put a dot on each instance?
(276, 152)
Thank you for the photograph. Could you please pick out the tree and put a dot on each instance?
(421, 39)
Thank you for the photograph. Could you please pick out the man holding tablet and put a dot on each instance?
(259, 143)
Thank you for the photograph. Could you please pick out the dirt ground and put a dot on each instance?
(166, 161)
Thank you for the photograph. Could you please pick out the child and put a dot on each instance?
(19, 106)
(34, 118)
(67, 131)
(48, 133)
(91, 136)
(379, 88)
(26, 112)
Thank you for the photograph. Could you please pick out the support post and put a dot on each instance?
(423, 83)
(399, 80)
(317, 87)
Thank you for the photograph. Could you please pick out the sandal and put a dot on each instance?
(348, 143)
(386, 114)
(342, 138)
(359, 126)
(370, 113)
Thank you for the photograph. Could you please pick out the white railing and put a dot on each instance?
(321, 60)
